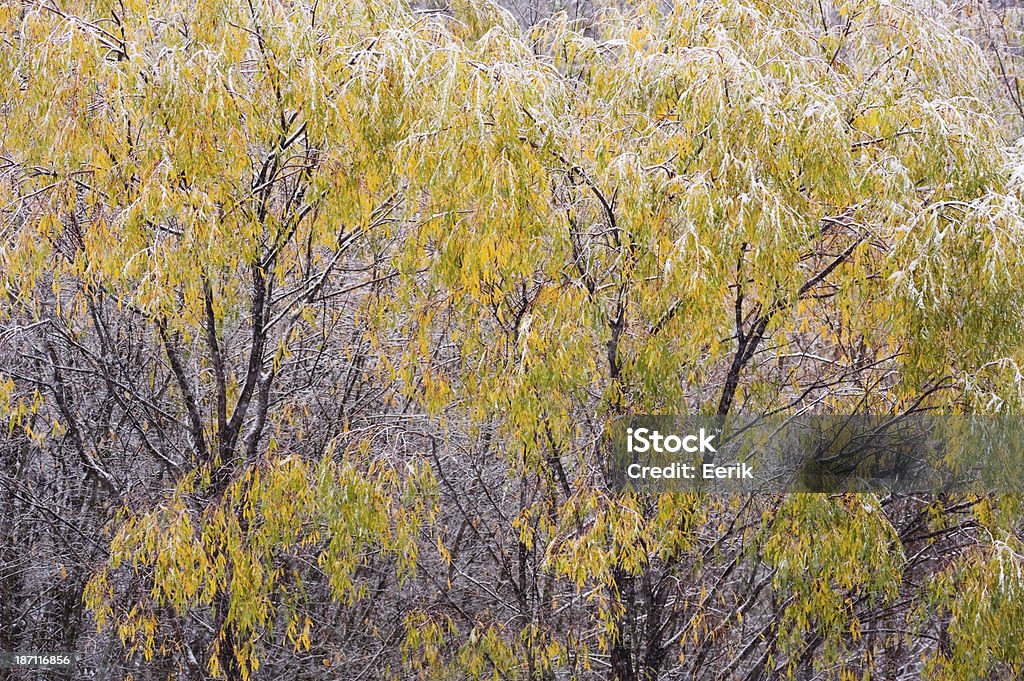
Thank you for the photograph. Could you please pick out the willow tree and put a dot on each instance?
(366, 286)
(196, 195)
(716, 205)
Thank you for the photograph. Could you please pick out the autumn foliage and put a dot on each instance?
(313, 316)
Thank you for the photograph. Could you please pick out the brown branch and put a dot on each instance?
(191, 407)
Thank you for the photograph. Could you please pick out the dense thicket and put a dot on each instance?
(313, 316)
